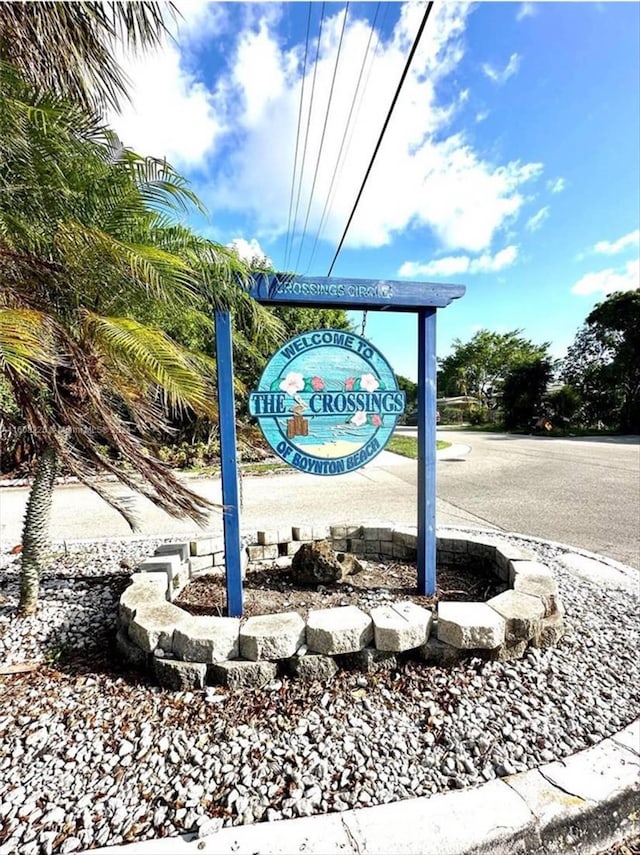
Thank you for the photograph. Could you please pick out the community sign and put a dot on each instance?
(327, 402)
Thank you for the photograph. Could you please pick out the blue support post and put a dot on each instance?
(229, 464)
(427, 375)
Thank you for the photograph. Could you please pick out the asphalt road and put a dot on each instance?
(581, 491)
(584, 492)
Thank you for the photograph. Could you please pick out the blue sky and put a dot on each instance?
(511, 164)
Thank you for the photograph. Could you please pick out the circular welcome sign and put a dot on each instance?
(327, 402)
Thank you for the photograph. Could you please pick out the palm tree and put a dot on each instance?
(89, 243)
(68, 49)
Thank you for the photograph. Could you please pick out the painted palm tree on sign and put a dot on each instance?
(89, 244)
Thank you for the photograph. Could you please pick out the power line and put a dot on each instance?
(324, 129)
(361, 100)
(295, 157)
(337, 169)
(306, 136)
(414, 47)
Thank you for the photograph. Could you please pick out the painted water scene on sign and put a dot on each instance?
(327, 402)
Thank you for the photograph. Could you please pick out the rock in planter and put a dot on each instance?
(317, 564)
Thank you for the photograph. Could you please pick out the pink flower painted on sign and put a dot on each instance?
(349, 384)
(369, 383)
(359, 418)
(317, 384)
(376, 421)
(292, 383)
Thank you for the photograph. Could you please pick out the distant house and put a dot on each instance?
(459, 401)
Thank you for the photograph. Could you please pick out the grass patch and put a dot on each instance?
(407, 446)
(264, 468)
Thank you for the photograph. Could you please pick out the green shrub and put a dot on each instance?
(476, 414)
(451, 416)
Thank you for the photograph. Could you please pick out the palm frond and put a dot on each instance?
(25, 341)
(155, 358)
(159, 185)
(68, 48)
(141, 267)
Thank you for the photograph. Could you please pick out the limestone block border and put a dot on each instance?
(186, 651)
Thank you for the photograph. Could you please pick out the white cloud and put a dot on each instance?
(198, 20)
(454, 265)
(250, 250)
(240, 134)
(631, 240)
(535, 222)
(526, 10)
(556, 185)
(172, 113)
(626, 278)
(421, 177)
(501, 76)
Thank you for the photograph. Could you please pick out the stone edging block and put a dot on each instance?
(522, 614)
(155, 624)
(470, 626)
(207, 639)
(401, 626)
(344, 629)
(276, 636)
(529, 613)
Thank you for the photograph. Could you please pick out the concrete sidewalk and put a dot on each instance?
(384, 489)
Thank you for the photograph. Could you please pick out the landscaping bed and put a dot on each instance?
(273, 590)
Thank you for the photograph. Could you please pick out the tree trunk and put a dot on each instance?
(35, 532)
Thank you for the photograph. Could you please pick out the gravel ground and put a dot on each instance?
(92, 754)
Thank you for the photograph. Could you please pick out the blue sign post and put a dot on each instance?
(229, 464)
(294, 389)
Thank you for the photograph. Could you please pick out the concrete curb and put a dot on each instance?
(581, 804)
(454, 452)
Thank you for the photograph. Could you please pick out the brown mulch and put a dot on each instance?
(273, 590)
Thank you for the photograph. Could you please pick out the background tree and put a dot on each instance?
(616, 324)
(523, 391)
(479, 366)
(410, 390)
(585, 369)
(603, 363)
(564, 405)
